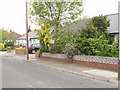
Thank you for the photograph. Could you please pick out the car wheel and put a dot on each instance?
(33, 51)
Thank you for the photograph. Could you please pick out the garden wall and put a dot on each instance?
(109, 63)
(20, 52)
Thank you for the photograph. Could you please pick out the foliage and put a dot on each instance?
(63, 37)
(44, 34)
(56, 48)
(4, 35)
(20, 49)
(2, 46)
(20, 45)
(69, 51)
(45, 49)
(5, 49)
(89, 32)
(56, 13)
(101, 23)
(9, 43)
(93, 46)
(114, 50)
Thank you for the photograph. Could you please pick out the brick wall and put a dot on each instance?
(20, 52)
(108, 63)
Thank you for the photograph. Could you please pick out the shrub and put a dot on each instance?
(42, 49)
(69, 51)
(9, 43)
(56, 48)
(5, 49)
(20, 45)
(114, 50)
(2, 46)
(92, 46)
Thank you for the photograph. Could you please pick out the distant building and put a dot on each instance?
(32, 38)
(13, 35)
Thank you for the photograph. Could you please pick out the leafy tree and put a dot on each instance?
(4, 35)
(101, 23)
(44, 36)
(89, 32)
(56, 13)
(63, 38)
(114, 50)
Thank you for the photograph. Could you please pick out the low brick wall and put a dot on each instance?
(20, 52)
(108, 63)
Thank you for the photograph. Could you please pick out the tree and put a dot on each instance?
(101, 23)
(4, 35)
(44, 35)
(89, 32)
(56, 13)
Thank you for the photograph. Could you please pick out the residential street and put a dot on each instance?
(20, 74)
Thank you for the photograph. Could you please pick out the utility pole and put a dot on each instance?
(27, 31)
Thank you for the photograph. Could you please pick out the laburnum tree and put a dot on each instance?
(45, 35)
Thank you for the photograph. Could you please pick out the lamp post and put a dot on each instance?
(27, 32)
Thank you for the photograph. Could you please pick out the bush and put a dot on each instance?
(114, 50)
(42, 49)
(2, 46)
(9, 43)
(92, 46)
(56, 48)
(5, 49)
(69, 51)
(20, 45)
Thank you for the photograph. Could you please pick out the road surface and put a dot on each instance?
(21, 74)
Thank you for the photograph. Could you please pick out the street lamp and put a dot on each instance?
(27, 32)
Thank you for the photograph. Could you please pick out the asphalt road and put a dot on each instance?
(21, 74)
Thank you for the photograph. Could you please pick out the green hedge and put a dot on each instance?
(20, 49)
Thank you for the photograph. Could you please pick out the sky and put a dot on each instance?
(12, 12)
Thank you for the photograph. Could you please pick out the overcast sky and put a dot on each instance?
(12, 12)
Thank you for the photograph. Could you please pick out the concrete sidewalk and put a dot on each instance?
(97, 74)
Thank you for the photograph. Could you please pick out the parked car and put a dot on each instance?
(33, 48)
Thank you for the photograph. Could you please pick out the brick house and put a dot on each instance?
(13, 35)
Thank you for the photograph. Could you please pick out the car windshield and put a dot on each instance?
(37, 45)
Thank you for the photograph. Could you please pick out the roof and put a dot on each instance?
(13, 35)
(78, 25)
(31, 34)
(82, 23)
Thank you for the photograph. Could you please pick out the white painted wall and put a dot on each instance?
(113, 23)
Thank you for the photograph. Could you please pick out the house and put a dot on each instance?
(13, 35)
(32, 38)
(113, 29)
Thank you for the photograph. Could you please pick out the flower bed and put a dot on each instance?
(20, 51)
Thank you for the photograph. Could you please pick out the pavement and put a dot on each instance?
(93, 73)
